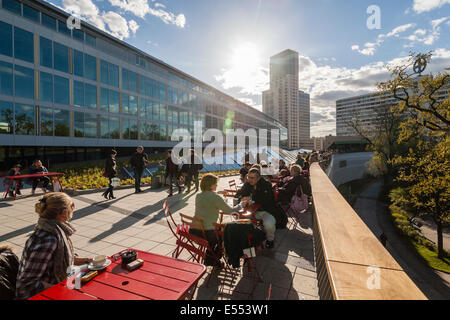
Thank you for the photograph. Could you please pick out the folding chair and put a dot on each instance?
(174, 227)
(232, 184)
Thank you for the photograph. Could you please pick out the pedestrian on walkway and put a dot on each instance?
(138, 162)
(194, 169)
(383, 239)
(110, 173)
(171, 173)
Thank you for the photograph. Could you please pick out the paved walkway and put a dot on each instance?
(434, 284)
(137, 221)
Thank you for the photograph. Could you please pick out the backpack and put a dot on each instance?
(299, 201)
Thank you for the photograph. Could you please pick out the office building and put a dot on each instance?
(71, 95)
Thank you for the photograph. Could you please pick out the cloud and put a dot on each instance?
(110, 22)
(141, 8)
(371, 47)
(429, 36)
(420, 6)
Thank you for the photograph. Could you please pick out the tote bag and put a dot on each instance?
(299, 203)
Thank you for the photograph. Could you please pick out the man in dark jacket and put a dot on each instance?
(9, 267)
(138, 162)
(261, 192)
(171, 173)
(37, 168)
(194, 169)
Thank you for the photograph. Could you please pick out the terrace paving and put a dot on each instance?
(137, 221)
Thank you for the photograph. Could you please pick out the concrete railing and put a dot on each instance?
(351, 262)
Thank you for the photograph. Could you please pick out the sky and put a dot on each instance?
(344, 46)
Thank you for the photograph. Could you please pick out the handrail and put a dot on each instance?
(351, 262)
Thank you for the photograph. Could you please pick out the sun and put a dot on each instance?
(245, 57)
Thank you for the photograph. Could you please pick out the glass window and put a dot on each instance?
(12, 5)
(162, 91)
(162, 132)
(113, 74)
(90, 96)
(6, 117)
(6, 79)
(114, 97)
(129, 129)
(133, 82)
(90, 40)
(133, 129)
(62, 123)
(46, 87)
(90, 67)
(78, 124)
(104, 127)
(46, 121)
(104, 99)
(103, 72)
(133, 106)
(6, 36)
(48, 21)
(30, 13)
(114, 128)
(90, 125)
(162, 112)
(146, 133)
(129, 80)
(24, 80)
(46, 52)
(78, 64)
(62, 28)
(78, 35)
(155, 89)
(23, 45)
(24, 119)
(142, 109)
(125, 103)
(125, 79)
(78, 93)
(155, 131)
(155, 110)
(61, 90)
(61, 57)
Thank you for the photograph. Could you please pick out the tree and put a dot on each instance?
(424, 170)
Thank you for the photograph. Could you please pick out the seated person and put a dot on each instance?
(282, 165)
(48, 251)
(243, 172)
(207, 206)
(14, 171)
(261, 192)
(35, 168)
(283, 174)
(287, 188)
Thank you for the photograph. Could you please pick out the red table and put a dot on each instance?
(36, 175)
(159, 278)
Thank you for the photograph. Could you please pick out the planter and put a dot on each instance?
(155, 182)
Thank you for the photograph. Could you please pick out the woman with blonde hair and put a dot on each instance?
(49, 251)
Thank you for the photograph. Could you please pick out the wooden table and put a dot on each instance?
(36, 175)
(159, 278)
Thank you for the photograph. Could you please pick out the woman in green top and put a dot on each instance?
(207, 206)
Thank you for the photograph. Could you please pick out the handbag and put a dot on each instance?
(299, 203)
(115, 182)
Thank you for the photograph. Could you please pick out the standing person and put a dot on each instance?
(172, 173)
(37, 168)
(17, 183)
(110, 172)
(138, 162)
(48, 251)
(194, 169)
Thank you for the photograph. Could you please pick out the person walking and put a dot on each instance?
(110, 173)
(37, 168)
(171, 173)
(194, 169)
(138, 162)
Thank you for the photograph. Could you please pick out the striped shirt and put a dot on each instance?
(36, 265)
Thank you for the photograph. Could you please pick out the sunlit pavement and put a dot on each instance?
(137, 221)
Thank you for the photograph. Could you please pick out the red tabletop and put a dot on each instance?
(159, 278)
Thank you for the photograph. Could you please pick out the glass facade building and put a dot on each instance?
(65, 89)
